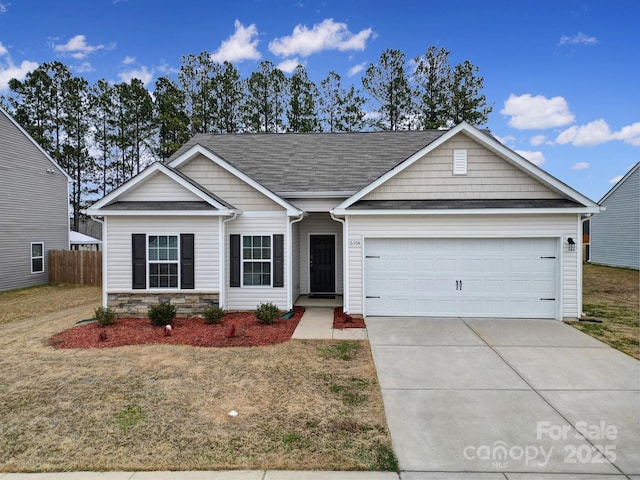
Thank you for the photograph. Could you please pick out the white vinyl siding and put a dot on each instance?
(467, 226)
(159, 188)
(488, 177)
(319, 224)
(249, 297)
(227, 186)
(34, 207)
(205, 230)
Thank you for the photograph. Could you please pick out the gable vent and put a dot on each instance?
(459, 162)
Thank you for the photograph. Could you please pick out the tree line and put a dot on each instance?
(103, 134)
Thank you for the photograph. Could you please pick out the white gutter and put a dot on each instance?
(222, 292)
(467, 211)
(290, 259)
(345, 262)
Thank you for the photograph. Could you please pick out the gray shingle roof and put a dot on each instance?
(464, 204)
(321, 162)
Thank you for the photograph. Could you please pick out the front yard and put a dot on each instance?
(300, 404)
(611, 295)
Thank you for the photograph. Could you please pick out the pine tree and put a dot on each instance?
(265, 100)
(171, 117)
(467, 103)
(432, 77)
(301, 111)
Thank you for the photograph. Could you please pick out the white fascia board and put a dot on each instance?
(488, 142)
(199, 149)
(468, 211)
(160, 213)
(24, 132)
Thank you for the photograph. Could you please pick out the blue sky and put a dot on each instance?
(562, 75)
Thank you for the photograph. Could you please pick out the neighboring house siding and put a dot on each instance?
(488, 177)
(227, 186)
(247, 298)
(159, 188)
(615, 232)
(525, 226)
(34, 207)
(319, 224)
(119, 231)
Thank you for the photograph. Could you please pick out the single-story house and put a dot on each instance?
(615, 233)
(413, 223)
(34, 207)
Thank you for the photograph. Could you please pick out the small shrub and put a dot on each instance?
(161, 314)
(213, 315)
(104, 316)
(266, 313)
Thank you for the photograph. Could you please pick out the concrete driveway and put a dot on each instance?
(512, 398)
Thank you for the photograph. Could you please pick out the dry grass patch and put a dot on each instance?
(165, 407)
(35, 301)
(612, 296)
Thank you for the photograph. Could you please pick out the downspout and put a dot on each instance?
(221, 260)
(290, 260)
(104, 259)
(345, 262)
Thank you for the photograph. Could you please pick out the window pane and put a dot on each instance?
(36, 250)
(153, 241)
(246, 253)
(266, 253)
(266, 242)
(246, 242)
(173, 241)
(37, 265)
(162, 241)
(173, 254)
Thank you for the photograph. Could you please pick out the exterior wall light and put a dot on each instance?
(572, 244)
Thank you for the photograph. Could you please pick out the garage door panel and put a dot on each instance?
(454, 277)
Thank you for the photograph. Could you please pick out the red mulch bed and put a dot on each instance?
(342, 320)
(185, 331)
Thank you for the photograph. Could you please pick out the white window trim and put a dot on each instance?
(32, 258)
(251, 260)
(149, 262)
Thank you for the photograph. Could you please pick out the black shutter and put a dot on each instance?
(234, 253)
(278, 260)
(139, 260)
(187, 264)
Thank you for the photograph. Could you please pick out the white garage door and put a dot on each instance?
(461, 277)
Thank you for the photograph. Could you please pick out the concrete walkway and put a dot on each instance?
(317, 324)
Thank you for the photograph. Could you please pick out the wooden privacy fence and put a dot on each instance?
(75, 266)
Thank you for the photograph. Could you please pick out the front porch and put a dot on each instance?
(324, 301)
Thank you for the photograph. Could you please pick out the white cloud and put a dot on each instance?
(288, 66)
(537, 140)
(128, 60)
(9, 70)
(537, 158)
(579, 39)
(3, 8)
(84, 67)
(77, 47)
(598, 132)
(580, 166)
(326, 35)
(630, 134)
(528, 112)
(616, 179)
(505, 140)
(240, 46)
(142, 74)
(356, 69)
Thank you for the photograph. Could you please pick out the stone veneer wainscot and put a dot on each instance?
(135, 304)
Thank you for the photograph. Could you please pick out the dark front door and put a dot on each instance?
(322, 257)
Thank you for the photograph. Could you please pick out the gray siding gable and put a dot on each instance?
(615, 232)
(34, 205)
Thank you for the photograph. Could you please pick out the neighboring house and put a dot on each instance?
(80, 241)
(412, 223)
(34, 207)
(615, 232)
